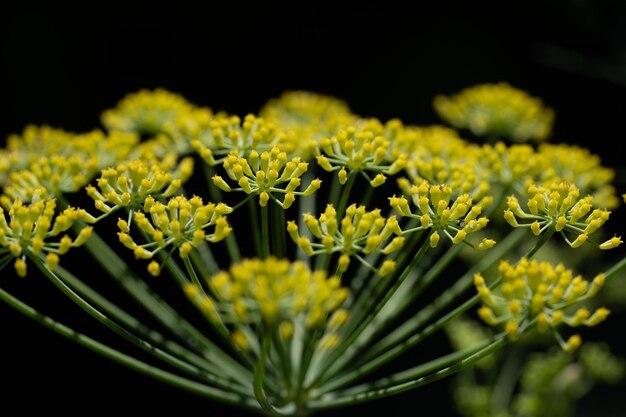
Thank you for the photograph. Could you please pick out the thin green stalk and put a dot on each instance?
(98, 315)
(154, 337)
(361, 284)
(128, 361)
(284, 358)
(265, 234)
(191, 271)
(204, 260)
(345, 193)
(422, 369)
(374, 287)
(279, 243)
(163, 312)
(253, 211)
(367, 196)
(259, 379)
(311, 338)
(542, 241)
(371, 393)
(218, 324)
(508, 377)
(404, 345)
(449, 296)
(616, 268)
(405, 300)
(344, 351)
(232, 247)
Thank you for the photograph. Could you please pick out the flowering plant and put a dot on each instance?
(308, 247)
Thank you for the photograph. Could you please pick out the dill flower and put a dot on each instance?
(265, 174)
(58, 160)
(129, 184)
(308, 115)
(359, 231)
(510, 166)
(145, 112)
(36, 229)
(558, 207)
(444, 211)
(580, 167)
(181, 223)
(534, 292)
(272, 291)
(359, 150)
(497, 110)
(436, 153)
(230, 133)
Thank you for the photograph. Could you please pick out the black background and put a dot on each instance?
(62, 65)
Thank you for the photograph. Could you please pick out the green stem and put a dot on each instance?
(345, 193)
(508, 377)
(204, 260)
(310, 340)
(98, 315)
(405, 344)
(259, 379)
(191, 271)
(255, 229)
(143, 331)
(459, 287)
(285, 359)
(128, 361)
(279, 244)
(232, 247)
(616, 269)
(382, 322)
(163, 312)
(265, 234)
(374, 391)
(345, 350)
(542, 241)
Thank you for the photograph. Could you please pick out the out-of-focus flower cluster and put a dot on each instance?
(497, 110)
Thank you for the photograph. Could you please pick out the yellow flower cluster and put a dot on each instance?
(29, 230)
(129, 184)
(360, 231)
(225, 134)
(308, 115)
(578, 166)
(178, 134)
(181, 223)
(438, 155)
(275, 293)
(357, 150)
(497, 110)
(145, 112)
(538, 292)
(263, 175)
(558, 205)
(57, 161)
(509, 165)
(444, 211)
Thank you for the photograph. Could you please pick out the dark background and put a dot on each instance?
(63, 65)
